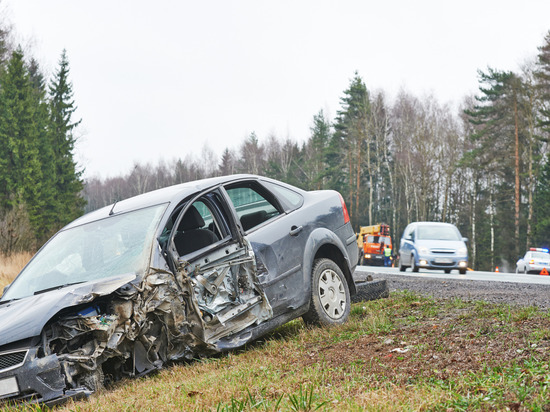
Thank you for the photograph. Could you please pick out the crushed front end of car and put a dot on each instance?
(69, 342)
(52, 344)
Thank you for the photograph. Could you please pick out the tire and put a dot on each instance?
(525, 271)
(330, 300)
(413, 264)
(371, 290)
(447, 271)
(462, 271)
(94, 381)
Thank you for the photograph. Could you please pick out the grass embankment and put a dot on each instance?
(401, 353)
(10, 266)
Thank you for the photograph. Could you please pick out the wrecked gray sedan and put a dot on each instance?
(178, 273)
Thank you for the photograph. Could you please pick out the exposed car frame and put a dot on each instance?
(288, 253)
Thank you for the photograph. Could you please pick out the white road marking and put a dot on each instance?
(470, 275)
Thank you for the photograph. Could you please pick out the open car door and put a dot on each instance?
(216, 270)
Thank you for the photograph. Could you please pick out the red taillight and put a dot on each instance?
(344, 209)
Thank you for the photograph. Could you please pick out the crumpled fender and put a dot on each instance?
(26, 317)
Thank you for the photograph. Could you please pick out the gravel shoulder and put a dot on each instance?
(472, 290)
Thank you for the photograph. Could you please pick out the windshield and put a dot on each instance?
(378, 239)
(112, 246)
(540, 255)
(438, 232)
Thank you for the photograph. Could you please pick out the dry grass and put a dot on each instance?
(10, 266)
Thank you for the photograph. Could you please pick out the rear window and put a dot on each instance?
(290, 199)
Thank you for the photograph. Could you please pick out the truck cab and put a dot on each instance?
(375, 239)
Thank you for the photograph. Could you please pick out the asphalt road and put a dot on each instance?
(470, 275)
(506, 288)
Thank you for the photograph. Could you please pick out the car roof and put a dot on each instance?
(168, 194)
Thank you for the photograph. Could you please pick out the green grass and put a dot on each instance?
(403, 353)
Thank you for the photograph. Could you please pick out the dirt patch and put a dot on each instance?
(437, 348)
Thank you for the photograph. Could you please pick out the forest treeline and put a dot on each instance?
(483, 167)
(40, 184)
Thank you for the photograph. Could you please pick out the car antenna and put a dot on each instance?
(111, 213)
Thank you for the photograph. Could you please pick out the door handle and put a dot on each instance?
(294, 230)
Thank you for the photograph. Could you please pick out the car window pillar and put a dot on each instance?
(234, 223)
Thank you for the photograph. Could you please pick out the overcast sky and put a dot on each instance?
(160, 79)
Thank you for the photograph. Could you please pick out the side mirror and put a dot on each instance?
(6, 289)
(465, 239)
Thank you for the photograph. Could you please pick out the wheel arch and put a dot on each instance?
(323, 243)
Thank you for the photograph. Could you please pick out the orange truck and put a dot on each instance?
(371, 241)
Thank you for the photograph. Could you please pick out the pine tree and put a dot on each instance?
(499, 133)
(49, 211)
(21, 179)
(350, 148)
(68, 180)
(543, 79)
(317, 147)
(228, 163)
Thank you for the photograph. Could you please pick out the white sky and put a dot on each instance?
(160, 79)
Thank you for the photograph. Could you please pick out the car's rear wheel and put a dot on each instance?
(330, 298)
(447, 271)
(462, 271)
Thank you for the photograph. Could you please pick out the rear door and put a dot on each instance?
(277, 229)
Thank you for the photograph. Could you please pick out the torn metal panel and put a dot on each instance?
(25, 319)
(227, 293)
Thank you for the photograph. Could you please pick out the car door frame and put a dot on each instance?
(289, 275)
(193, 280)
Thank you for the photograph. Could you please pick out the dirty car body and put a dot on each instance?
(173, 274)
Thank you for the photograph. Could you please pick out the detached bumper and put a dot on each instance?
(36, 380)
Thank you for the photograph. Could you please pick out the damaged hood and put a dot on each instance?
(26, 317)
